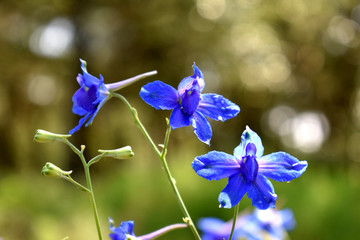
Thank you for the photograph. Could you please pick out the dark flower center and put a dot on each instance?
(249, 166)
(190, 99)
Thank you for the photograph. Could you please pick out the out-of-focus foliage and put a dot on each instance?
(292, 66)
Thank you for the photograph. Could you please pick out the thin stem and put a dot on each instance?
(78, 185)
(236, 210)
(80, 153)
(92, 197)
(95, 159)
(162, 157)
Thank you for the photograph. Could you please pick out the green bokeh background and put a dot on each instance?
(293, 56)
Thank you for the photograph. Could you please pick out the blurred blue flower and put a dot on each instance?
(274, 223)
(125, 231)
(248, 171)
(93, 93)
(260, 225)
(217, 229)
(189, 105)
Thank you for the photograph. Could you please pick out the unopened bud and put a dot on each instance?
(42, 136)
(120, 153)
(50, 170)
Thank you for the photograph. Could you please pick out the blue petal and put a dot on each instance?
(216, 165)
(88, 79)
(233, 192)
(84, 99)
(160, 95)
(81, 122)
(249, 136)
(178, 118)
(127, 227)
(96, 112)
(199, 76)
(287, 219)
(188, 82)
(281, 166)
(214, 227)
(217, 107)
(202, 127)
(261, 193)
(120, 236)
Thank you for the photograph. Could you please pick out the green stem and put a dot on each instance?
(236, 210)
(80, 153)
(162, 157)
(78, 185)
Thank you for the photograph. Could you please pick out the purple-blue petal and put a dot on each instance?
(216, 165)
(262, 194)
(87, 78)
(188, 82)
(202, 127)
(178, 118)
(95, 112)
(217, 107)
(213, 228)
(160, 95)
(127, 227)
(281, 166)
(233, 192)
(81, 122)
(84, 98)
(249, 136)
(287, 219)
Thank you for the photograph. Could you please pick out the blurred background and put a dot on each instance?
(292, 66)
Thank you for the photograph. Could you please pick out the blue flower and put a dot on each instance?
(93, 93)
(248, 171)
(274, 222)
(217, 229)
(125, 231)
(259, 225)
(188, 105)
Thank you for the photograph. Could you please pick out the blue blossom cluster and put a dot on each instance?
(261, 224)
(248, 170)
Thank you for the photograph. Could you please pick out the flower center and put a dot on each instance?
(249, 166)
(190, 100)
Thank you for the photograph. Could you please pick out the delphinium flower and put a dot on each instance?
(248, 171)
(269, 224)
(126, 232)
(188, 105)
(93, 93)
(217, 229)
(274, 224)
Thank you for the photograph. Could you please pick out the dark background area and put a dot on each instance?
(292, 67)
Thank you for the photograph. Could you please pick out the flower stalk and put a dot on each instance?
(162, 156)
(89, 188)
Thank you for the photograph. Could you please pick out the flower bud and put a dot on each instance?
(50, 170)
(120, 153)
(42, 136)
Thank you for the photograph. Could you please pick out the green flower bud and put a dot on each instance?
(42, 136)
(120, 153)
(50, 170)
